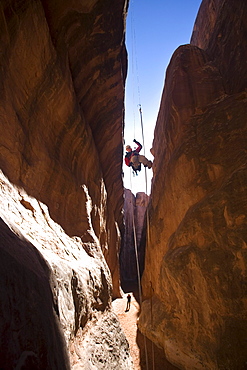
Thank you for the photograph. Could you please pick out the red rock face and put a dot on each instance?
(62, 75)
(55, 293)
(220, 29)
(196, 256)
(62, 84)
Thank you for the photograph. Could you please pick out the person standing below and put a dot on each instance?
(134, 159)
(128, 302)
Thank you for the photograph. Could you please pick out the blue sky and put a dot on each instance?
(155, 29)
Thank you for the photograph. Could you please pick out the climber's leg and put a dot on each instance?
(145, 161)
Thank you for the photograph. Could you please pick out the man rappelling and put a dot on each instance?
(134, 159)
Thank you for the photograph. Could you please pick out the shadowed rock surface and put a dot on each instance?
(196, 259)
(134, 207)
(30, 333)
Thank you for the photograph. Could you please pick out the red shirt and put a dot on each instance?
(129, 155)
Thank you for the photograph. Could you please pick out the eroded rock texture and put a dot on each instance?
(134, 207)
(55, 293)
(62, 83)
(62, 74)
(195, 267)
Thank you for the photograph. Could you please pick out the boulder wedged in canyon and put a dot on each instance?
(134, 216)
(63, 67)
(55, 293)
(62, 76)
(194, 282)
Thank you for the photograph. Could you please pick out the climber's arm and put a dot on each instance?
(139, 147)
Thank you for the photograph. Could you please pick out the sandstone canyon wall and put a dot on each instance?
(194, 281)
(55, 293)
(62, 75)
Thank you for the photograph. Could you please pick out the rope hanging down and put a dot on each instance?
(136, 249)
(144, 151)
(133, 218)
(134, 55)
(148, 233)
(138, 272)
(134, 67)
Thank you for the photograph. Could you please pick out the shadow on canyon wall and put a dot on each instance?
(30, 333)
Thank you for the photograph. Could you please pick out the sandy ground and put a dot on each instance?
(128, 322)
(155, 357)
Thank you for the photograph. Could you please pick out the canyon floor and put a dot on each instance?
(128, 319)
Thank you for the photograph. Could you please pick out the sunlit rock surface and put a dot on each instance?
(63, 67)
(134, 219)
(62, 75)
(195, 267)
(55, 293)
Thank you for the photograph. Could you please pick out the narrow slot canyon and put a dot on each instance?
(71, 232)
(144, 353)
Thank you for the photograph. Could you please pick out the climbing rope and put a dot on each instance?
(136, 74)
(136, 248)
(133, 68)
(138, 271)
(144, 151)
(148, 235)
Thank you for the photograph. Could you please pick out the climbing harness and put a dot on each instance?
(135, 165)
(135, 170)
